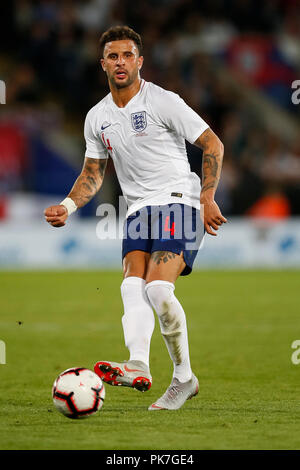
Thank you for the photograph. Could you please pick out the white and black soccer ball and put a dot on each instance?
(78, 393)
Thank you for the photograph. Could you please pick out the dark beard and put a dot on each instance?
(119, 86)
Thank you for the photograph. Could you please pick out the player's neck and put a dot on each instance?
(122, 96)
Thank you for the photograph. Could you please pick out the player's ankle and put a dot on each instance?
(183, 377)
(139, 359)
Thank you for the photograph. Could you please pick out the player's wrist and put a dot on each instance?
(69, 205)
(206, 198)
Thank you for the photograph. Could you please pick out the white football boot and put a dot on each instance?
(176, 395)
(133, 374)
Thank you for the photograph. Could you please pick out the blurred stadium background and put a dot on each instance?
(233, 61)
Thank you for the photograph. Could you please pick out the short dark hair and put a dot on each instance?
(117, 33)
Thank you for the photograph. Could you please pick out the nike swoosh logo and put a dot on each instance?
(133, 370)
(104, 126)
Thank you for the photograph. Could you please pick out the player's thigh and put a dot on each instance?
(135, 263)
(164, 266)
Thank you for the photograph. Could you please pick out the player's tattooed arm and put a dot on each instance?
(89, 181)
(85, 187)
(213, 151)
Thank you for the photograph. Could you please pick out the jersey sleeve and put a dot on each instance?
(179, 117)
(94, 146)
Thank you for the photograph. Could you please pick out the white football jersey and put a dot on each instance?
(146, 140)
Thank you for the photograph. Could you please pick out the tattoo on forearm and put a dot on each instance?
(210, 173)
(207, 186)
(162, 256)
(92, 181)
(211, 160)
(210, 164)
(87, 187)
(88, 182)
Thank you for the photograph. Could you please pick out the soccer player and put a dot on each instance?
(143, 128)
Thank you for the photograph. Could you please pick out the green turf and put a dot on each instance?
(241, 327)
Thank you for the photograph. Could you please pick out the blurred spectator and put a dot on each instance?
(272, 205)
(23, 85)
(257, 60)
(95, 14)
(280, 164)
(13, 157)
(288, 38)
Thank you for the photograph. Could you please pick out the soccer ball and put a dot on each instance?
(78, 393)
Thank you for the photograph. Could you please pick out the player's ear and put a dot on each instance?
(140, 62)
(102, 62)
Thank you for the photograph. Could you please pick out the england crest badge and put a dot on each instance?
(139, 121)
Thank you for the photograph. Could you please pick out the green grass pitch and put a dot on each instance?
(241, 327)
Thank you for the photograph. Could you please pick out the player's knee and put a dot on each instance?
(160, 295)
(135, 264)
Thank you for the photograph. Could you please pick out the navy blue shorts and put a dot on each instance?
(172, 227)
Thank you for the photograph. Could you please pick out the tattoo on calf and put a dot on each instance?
(162, 256)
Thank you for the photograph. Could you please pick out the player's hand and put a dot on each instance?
(56, 215)
(212, 217)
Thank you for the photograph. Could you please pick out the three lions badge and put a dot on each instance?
(139, 121)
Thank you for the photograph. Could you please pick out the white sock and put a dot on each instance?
(138, 319)
(173, 326)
